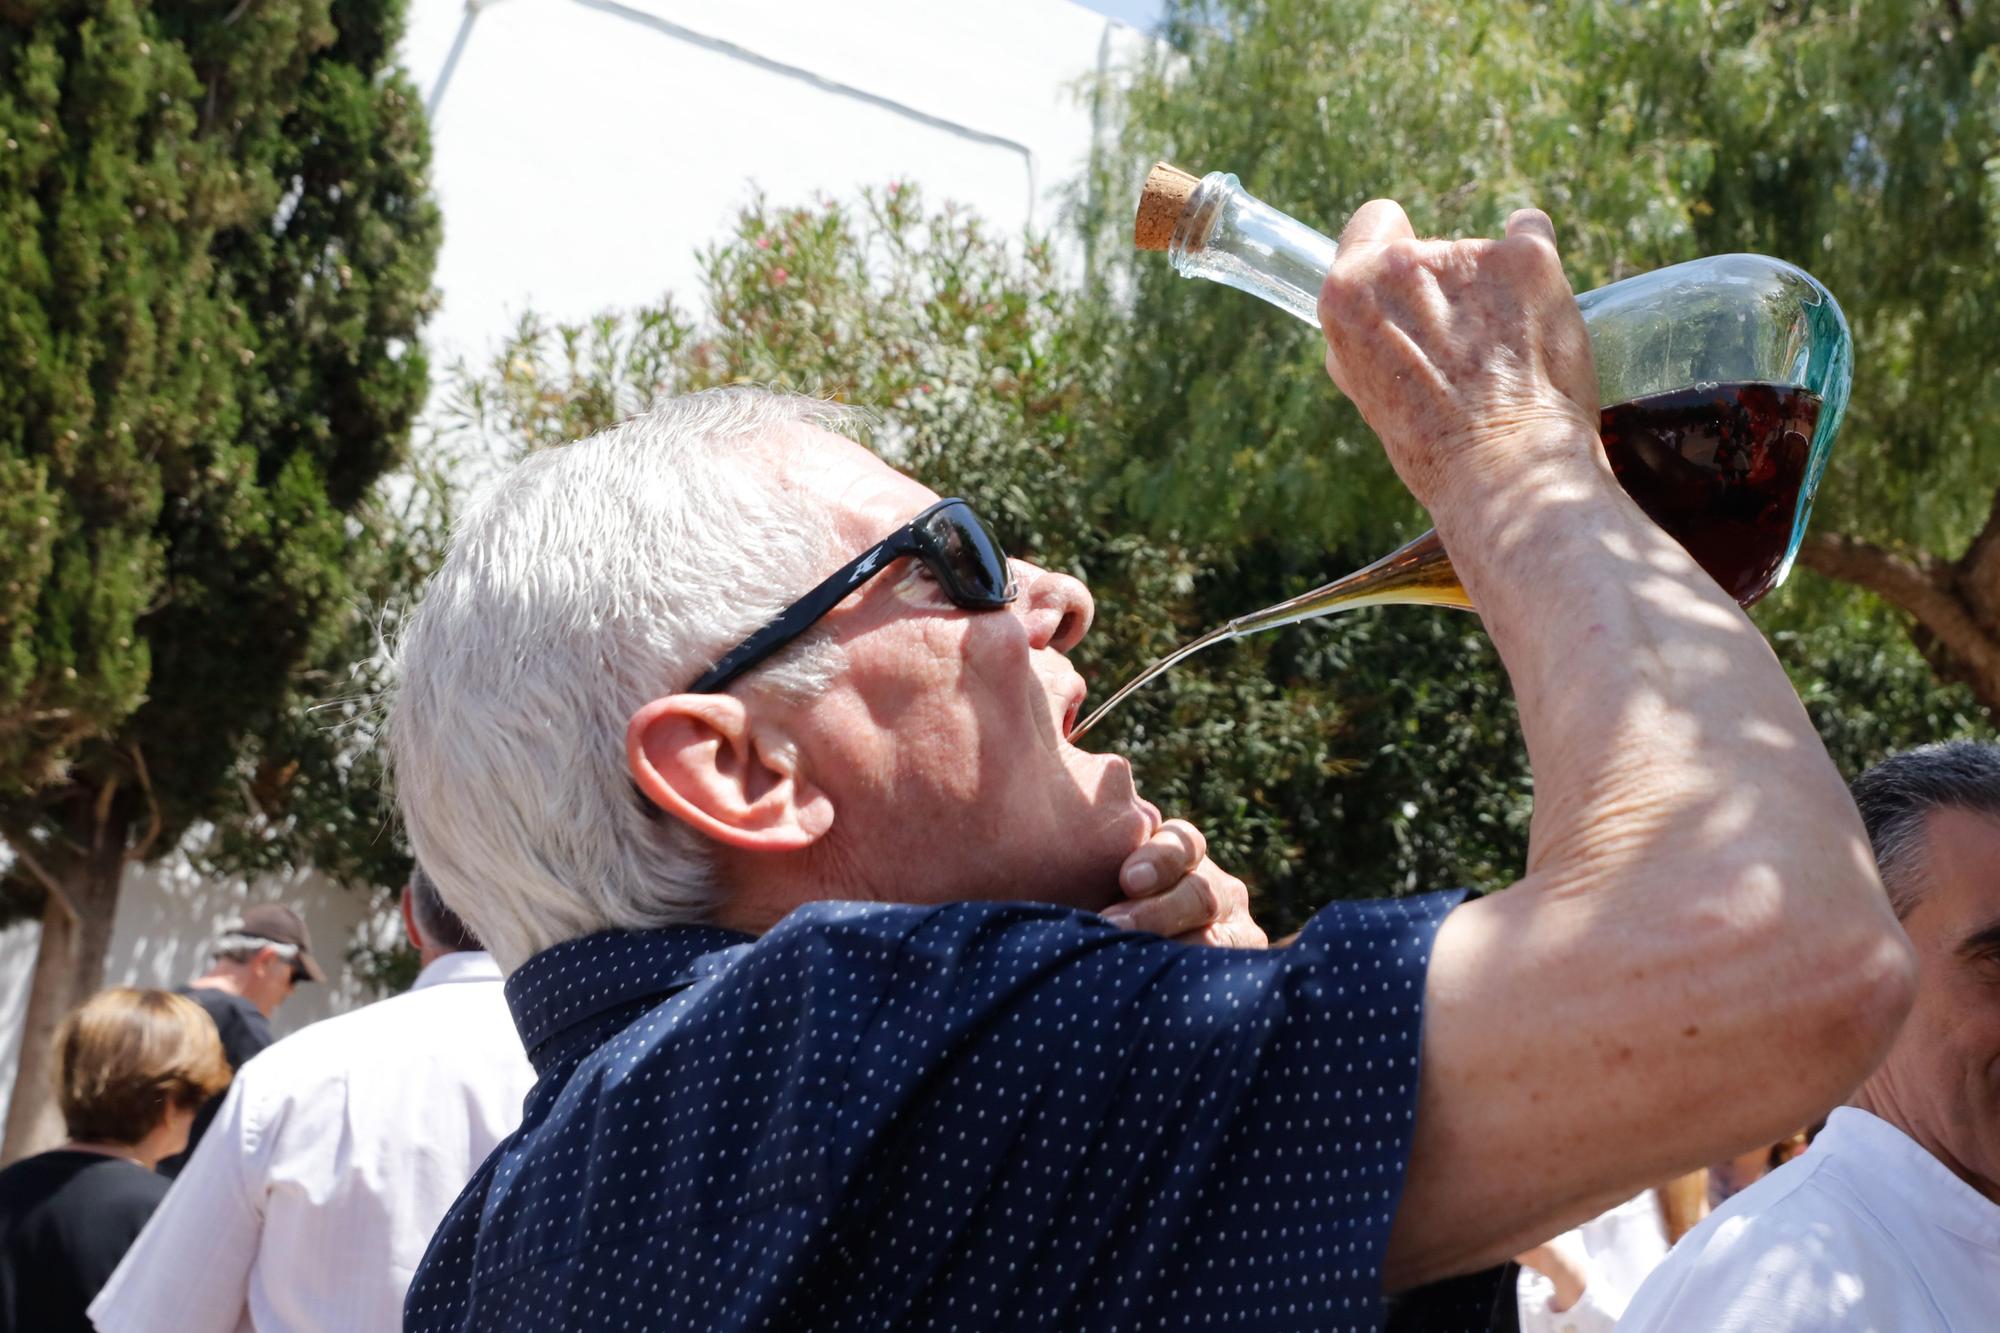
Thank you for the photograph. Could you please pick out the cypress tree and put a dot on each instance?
(216, 242)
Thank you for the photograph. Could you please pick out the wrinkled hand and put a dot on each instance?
(1173, 889)
(1468, 358)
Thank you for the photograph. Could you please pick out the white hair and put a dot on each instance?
(236, 948)
(591, 579)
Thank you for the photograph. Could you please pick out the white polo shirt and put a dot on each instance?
(334, 1156)
(1866, 1233)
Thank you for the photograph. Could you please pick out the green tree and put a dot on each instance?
(307, 791)
(1864, 143)
(215, 250)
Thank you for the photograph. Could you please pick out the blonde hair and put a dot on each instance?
(125, 1056)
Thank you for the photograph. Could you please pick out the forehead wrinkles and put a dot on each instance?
(860, 496)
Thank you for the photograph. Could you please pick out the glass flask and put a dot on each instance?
(1725, 381)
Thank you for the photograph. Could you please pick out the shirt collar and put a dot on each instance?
(564, 986)
(1900, 1168)
(462, 965)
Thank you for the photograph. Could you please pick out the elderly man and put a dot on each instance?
(745, 753)
(253, 967)
(1891, 1221)
(334, 1156)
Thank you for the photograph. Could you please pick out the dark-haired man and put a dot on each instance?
(1891, 1220)
(334, 1154)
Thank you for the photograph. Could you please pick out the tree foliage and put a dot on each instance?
(215, 251)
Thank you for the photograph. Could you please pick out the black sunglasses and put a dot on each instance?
(948, 537)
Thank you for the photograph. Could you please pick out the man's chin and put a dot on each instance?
(1152, 816)
(1114, 794)
(1115, 821)
(1105, 778)
(1100, 844)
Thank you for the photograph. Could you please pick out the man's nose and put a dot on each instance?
(1055, 607)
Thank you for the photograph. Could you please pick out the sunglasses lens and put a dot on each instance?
(970, 561)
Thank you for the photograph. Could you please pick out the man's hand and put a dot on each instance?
(1469, 358)
(1175, 890)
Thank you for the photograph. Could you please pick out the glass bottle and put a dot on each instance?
(1726, 378)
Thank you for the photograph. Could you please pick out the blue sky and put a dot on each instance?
(1138, 13)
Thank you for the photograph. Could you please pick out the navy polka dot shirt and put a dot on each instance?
(977, 1116)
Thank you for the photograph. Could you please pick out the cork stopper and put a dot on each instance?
(1161, 203)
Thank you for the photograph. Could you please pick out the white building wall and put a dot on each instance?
(167, 915)
(584, 150)
(587, 148)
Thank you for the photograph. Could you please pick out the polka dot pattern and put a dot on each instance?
(983, 1115)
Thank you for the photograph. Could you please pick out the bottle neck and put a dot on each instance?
(1228, 235)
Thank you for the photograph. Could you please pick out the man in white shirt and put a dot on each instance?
(334, 1156)
(1890, 1223)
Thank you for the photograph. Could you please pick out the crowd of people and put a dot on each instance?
(840, 991)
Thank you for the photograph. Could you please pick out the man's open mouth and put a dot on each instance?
(1073, 709)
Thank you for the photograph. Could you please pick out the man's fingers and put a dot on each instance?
(1205, 898)
(1531, 222)
(1377, 222)
(1176, 891)
(1244, 934)
(1176, 848)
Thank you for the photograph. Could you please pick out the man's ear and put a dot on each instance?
(406, 904)
(705, 760)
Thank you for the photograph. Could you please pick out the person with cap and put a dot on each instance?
(333, 1157)
(253, 966)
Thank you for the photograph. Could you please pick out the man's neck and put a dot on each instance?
(221, 981)
(1881, 1102)
(233, 982)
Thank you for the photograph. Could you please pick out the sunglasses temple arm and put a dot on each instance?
(803, 614)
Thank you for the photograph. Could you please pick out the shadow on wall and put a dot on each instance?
(17, 967)
(168, 914)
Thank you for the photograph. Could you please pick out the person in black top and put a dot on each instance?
(132, 1067)
(253, 966)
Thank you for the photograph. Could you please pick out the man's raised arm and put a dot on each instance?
(1700, 956)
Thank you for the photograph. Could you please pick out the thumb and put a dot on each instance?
(1531, 222)
(1377, 222)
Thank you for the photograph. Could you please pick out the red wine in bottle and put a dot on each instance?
(1720, 467)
